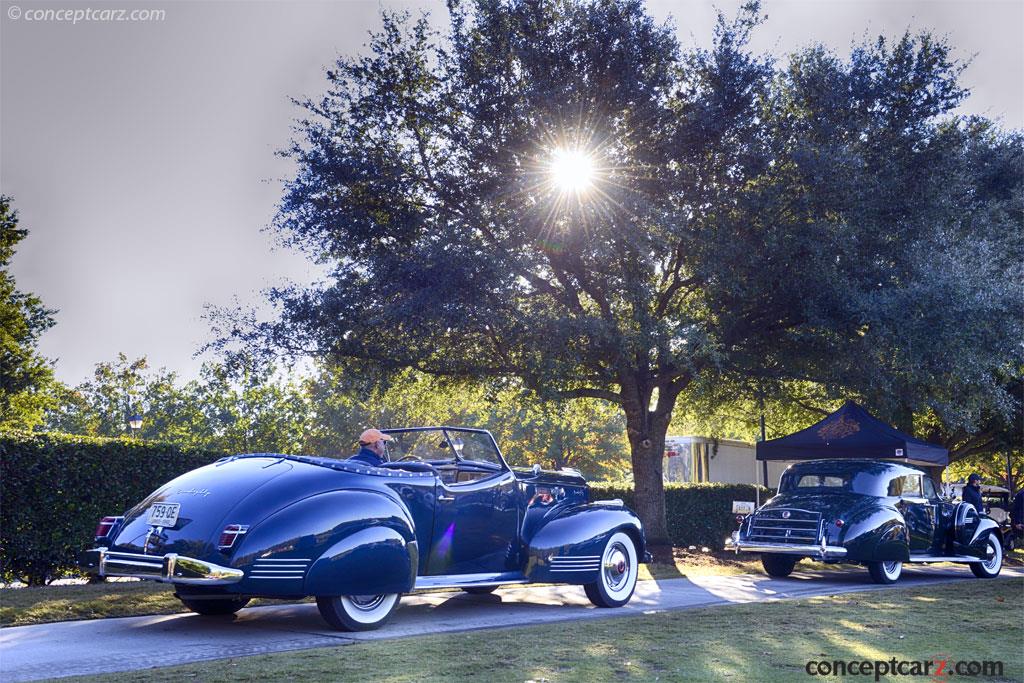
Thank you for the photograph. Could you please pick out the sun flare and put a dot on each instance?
(572, 170)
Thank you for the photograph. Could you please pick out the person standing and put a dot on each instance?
(1017, 517)
(371, 448)
(972, 492)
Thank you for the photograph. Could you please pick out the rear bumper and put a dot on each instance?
(821, 552)
(170, 568)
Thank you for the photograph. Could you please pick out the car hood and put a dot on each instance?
(207, 497)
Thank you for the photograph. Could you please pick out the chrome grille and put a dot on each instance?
(786, 525)
(279, 569)
(583, 563)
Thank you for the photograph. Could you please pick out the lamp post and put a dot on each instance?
(134, 423)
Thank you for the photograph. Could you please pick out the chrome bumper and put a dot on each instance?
(170, 568)
(820, 551)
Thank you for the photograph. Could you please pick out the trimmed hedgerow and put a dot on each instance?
(697, 514)
(54, 488)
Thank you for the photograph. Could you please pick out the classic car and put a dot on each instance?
(997, 505)
(444, 511)
(875, 513)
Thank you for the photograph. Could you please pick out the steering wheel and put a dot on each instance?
(412, 457)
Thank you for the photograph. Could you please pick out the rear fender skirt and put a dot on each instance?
(369, 562)
(878, 538)
(567, 548)
(321, 531)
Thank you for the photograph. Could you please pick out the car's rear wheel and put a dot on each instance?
(990, 568)
(616, 579)
(887, 571)
(779, 566)
(357, 612)
(480, 590)
(215, 607)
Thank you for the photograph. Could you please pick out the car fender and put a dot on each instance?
(347, 542)
(978, 545)
(567, 546)
(877, 533)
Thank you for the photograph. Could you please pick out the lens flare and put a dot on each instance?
(572, 170)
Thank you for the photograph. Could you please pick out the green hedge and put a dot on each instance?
(54, 488)
(697, 514)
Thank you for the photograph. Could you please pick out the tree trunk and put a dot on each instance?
(646, 432)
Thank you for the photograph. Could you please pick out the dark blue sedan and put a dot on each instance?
(445, 511)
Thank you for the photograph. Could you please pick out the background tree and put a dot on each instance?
(26, 378)
(555, 192)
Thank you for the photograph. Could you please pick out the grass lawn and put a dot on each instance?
(767, 642)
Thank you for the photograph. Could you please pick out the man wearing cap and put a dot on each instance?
(371, 447)
(972, 492)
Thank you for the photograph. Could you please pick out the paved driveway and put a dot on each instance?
(107, 645)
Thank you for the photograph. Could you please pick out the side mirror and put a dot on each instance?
(536, 469)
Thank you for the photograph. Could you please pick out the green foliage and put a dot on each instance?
(819, 221)
(56, 487)
(698, 514)
(26, 378)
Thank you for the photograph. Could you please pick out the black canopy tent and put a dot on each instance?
(851, 432)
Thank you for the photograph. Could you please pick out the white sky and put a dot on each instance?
(141, 155)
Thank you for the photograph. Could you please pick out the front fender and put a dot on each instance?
(567, 548)
(319, 545)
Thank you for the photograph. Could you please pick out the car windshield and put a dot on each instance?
(439, 446)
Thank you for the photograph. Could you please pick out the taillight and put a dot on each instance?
(230, 535)
(840, 523)
(105, 526)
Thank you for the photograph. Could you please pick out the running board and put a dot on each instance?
(923, 559)
(468, 580)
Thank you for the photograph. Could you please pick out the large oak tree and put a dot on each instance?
(741, 216)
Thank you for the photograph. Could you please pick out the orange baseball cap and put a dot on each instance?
(373, 436)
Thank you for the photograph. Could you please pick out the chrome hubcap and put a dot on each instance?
(616, 567)
(992, 562)
(366, 603)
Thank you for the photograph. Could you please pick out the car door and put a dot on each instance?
(918, 512)
(476, 514)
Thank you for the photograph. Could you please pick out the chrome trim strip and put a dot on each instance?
(965, 559)
(293, 560)
(468, 580)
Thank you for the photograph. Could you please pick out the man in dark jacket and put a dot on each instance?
(371, 447)
(972, 492)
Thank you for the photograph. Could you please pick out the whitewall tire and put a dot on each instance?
(357, 612)
(885, 572)
(990, 568)
(616, 579)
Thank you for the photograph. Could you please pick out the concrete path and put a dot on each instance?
(132, 643)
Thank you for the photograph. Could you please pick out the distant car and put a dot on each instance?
(445, 512)
(876, 513)
(997, 505)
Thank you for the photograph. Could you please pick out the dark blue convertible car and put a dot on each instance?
(446, 511)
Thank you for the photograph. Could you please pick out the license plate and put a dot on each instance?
(163, 514)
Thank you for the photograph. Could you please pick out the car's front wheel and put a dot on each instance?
(885, 572)
(357, 612)
(616, 579)
(989, 569)
(216, 606)
(779, 566)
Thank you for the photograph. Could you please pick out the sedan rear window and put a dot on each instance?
(820, 480)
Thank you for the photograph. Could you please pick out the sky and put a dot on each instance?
(140, 154)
